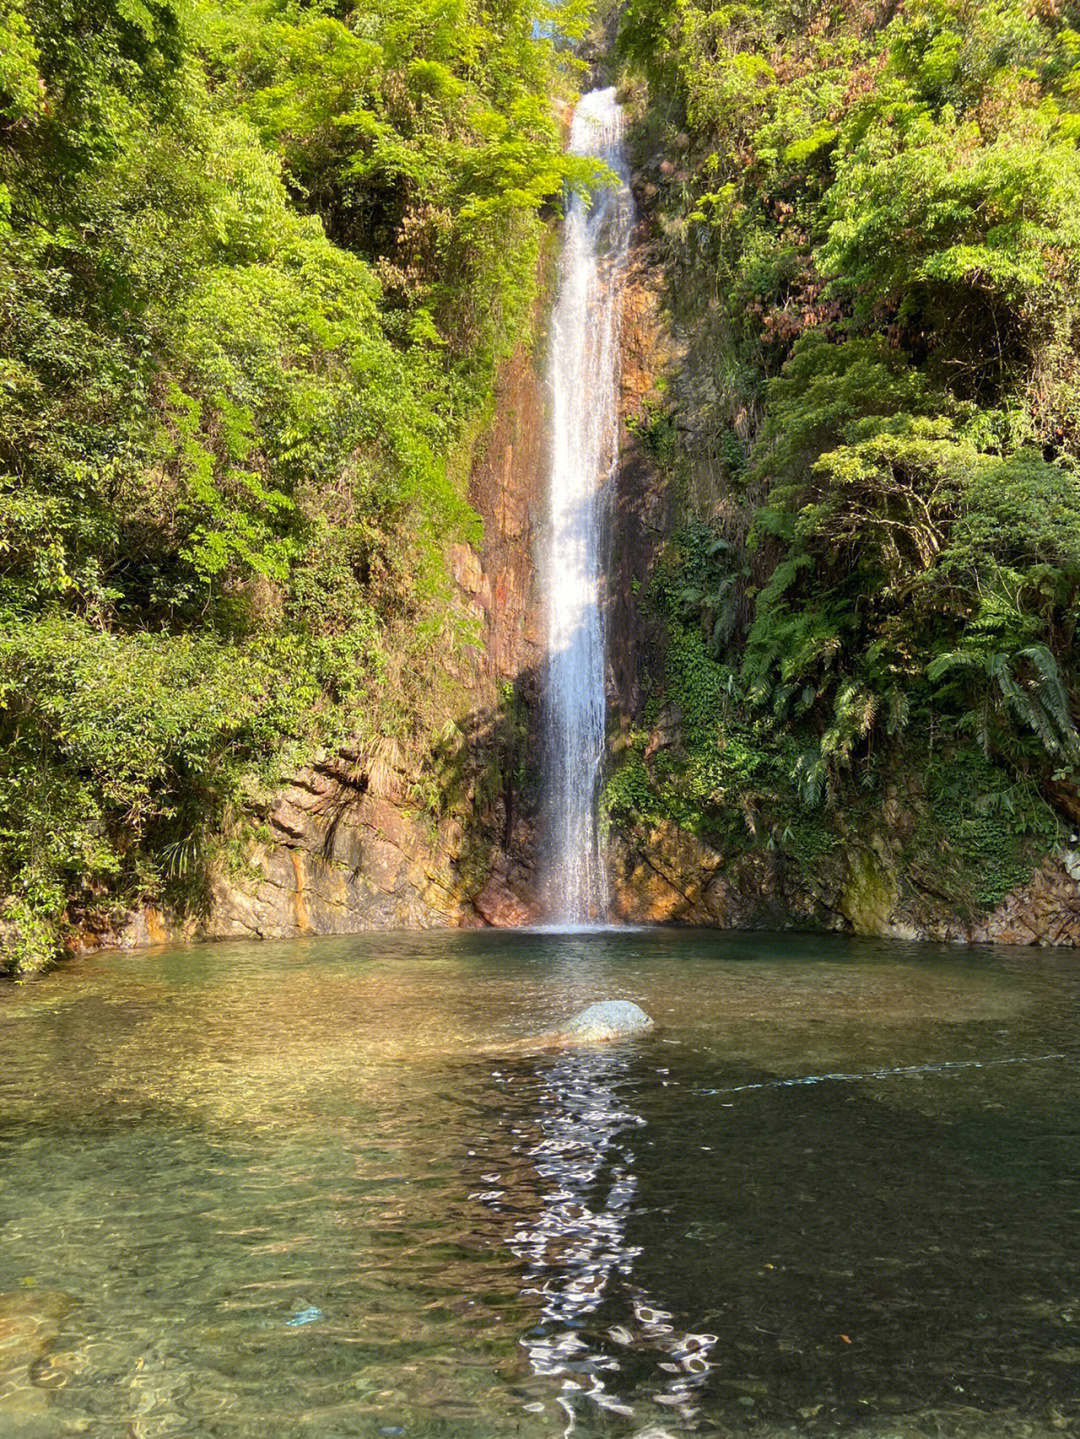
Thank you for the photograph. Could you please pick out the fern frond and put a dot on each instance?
(809, 773)
(953, 660)
(899, 711)
(1053, 697)
(1026, 707)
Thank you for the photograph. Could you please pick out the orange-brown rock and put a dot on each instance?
(498, 904)
(1045, 911)
(664, 874)
(343, 846)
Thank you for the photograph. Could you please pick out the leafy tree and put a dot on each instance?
(258, 261)
(872, 231)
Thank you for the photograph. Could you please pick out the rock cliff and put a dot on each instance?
(348, 848)
(352, 841)
(347, 845)
(875, 877)
(666, 875)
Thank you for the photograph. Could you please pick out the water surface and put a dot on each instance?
(329, 1188)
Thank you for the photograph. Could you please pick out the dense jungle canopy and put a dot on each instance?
(259, 264)
(869, 213)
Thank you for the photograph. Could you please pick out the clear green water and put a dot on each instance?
(324, 1189)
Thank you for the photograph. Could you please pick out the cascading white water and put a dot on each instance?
(584, 377)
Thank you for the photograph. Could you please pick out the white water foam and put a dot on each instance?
(584, 379)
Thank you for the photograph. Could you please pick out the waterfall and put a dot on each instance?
(584, 380)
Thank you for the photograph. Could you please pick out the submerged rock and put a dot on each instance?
(608, 1020)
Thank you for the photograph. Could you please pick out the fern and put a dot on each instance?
(810, 774)
(898, 711)
(1040, 703)
(1053, 699)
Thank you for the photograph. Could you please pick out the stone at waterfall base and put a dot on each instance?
(501, 906)
(610, 1019)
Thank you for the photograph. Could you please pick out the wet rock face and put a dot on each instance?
(342, 848)
(1045, 911)
(341, 859)
(338, 856)
(642, 512)
(664, 874)
(348, 856)
(609, 1019)
(503, 902)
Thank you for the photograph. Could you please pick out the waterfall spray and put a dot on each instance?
(584, 378)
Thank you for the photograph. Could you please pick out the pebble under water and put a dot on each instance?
(326, 1188)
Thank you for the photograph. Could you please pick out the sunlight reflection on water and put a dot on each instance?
(321, 1189)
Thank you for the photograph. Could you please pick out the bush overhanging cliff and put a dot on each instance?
(258, 262)
(870, 215)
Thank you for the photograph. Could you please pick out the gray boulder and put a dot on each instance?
(610, 1019)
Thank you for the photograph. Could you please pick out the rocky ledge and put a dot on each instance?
(667, 875)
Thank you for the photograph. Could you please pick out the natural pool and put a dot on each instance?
(322, 1189)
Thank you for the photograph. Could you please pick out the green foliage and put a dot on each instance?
(20, 83)
(989, 829)
(422, 135)
(628, 793)
(720, 761)
(875, 245)
(258, 263)
(697, 581)
(931, 216)
(123, 753)
(658, 436)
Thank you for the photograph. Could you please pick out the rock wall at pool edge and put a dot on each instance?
(347, 845)
(342, 849)
(665, 874)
